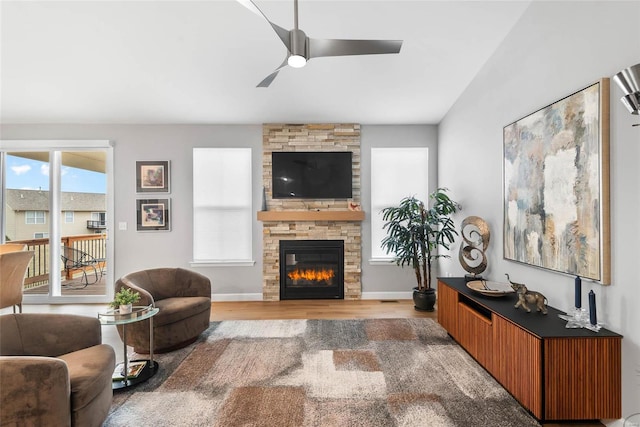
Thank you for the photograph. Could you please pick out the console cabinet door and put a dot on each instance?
(474, 334)
(519, 363)
(448, 308)
(583, 378)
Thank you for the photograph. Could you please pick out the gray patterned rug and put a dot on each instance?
(312, 373)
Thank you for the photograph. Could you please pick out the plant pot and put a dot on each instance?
(424, 300)
(125, 309)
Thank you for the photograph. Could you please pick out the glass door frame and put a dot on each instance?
(55, 148)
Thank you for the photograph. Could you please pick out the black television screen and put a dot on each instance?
(311, 175)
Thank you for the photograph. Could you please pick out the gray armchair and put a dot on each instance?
(54, 370)
(184, 299)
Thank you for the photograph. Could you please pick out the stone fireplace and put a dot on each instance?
(303, 219)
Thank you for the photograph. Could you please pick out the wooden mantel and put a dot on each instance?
(275, 216)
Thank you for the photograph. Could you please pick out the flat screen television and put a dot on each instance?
(311, 175)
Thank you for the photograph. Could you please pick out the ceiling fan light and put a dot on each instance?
(297, 61)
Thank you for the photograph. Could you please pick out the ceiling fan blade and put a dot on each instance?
(336, 47)
(267, 80)
(281, 32)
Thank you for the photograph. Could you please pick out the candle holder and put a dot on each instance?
(576, 318)
(579, 318)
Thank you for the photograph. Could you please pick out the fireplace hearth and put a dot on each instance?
(311, 269)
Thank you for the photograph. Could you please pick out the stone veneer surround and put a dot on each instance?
(310, 137)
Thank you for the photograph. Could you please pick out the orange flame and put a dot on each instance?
(312, 275)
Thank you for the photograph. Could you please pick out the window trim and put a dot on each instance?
(55, 148)
(229, 263)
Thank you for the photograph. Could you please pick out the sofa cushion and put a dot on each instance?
(175, 309)
(89, 370)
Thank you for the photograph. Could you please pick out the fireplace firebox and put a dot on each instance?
(311, 269)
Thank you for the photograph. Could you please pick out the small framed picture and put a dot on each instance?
(152, 176)
(153, 214)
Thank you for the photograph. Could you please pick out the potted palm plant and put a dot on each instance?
(414, 234)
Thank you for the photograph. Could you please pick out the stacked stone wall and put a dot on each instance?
(311, 137)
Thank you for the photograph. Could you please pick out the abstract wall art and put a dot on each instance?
(153, 215)
(152, 176)
(556, 186)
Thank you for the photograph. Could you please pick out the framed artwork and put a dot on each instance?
(152, 176)
(153, 215)
(556, 186)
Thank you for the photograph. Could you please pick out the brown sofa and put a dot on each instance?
(54, 370)
(184, 299)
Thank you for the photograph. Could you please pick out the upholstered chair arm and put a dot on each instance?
(47, 334)
(192, 284)
(146, 297)
(35, 391)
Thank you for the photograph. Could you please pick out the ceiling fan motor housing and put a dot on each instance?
(299, 45)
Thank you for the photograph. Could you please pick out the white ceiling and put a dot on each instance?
(198, 62)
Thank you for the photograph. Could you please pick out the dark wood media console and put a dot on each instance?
(558, 374)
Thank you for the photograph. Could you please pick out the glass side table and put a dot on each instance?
(138, 314)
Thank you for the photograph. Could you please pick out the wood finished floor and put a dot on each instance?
(316, 309)
(299, 309)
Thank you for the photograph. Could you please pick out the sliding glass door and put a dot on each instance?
(56, 198)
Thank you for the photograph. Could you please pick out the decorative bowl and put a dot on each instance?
(489, 288)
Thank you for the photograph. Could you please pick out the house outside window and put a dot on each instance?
(34, 217)
(396, 173)
(68, 217)
(40, 235)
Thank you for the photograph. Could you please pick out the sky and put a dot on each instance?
(27, 174)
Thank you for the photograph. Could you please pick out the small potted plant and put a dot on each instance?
(124, 299)
(414, 233)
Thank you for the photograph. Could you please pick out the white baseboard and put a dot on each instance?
(387, 295)
(365, 295)
(236, 297)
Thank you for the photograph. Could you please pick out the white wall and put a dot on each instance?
(390, 281)
(556, 49)
(138, 250)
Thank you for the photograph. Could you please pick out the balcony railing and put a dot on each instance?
(96, 224)
(38, 271)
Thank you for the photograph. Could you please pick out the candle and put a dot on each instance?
(593, 319)
(578, 295)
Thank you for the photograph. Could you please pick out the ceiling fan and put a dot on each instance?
(301, 48)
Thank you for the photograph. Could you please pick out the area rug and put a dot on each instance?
(312, 373)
